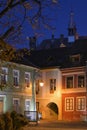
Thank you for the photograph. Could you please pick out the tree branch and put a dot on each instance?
(7, 32)
(10, 6)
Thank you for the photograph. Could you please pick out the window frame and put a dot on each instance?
(14, 76)
(4, 75)
(52, 84)
(72, 82)
(18, 105)
(66, 103)
(78, 81)
(81, 107)
(27, 79)
(27, 106)
(75, 58)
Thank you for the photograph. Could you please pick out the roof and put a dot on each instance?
(74, 55)
(21, 57)
(60, 56)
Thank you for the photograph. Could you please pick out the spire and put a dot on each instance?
(72, 26)
(72, 31)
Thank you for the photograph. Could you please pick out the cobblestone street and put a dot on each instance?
(46, 125)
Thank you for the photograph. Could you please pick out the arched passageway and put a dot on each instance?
(51, 111)
(53, 107)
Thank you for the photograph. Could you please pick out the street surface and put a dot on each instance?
(57, 125)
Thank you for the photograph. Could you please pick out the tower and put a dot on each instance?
(72, 29)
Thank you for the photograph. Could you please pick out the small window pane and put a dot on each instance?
(27, 79)
(69, 82)
(80, 103)
(16, 78)
(81, 81)
(69, 104)
(52, 85)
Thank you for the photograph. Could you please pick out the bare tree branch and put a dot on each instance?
(7, 32)
(10, 5)
(20, 14)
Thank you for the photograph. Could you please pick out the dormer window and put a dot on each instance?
(75, 58)
(62, 45)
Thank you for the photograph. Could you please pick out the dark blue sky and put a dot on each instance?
(61, 20)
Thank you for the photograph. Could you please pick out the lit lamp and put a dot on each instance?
(41, 83)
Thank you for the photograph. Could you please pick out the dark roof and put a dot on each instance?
(60, 56)
(53, 43)
(56, 57)
(21, 57)
(48, 58)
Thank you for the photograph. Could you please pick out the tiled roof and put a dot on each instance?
(57, 57)
(60, 56)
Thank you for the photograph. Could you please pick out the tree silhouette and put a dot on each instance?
(15, 14)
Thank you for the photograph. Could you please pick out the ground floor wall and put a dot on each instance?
(49, 109)
(15, 102)
(74, 106)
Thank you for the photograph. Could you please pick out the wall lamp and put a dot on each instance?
(41, 83)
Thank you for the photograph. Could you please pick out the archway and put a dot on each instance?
(52, 111)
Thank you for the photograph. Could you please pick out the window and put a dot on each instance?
(69, 82)
(27, 105)
(81, 81)
(52, 85)
(69, 104)
(4, 76)
(27, 79)
(16, 104)
(75, 58)
(37, 87)
(81, 103)
(16, 78)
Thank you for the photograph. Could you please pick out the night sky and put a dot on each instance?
(61, 20)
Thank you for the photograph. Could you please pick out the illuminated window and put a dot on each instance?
(4, 75)
(69, 82)
(52, 85)
(69, 104)
(16, 78)
(27, 105)
(81, 103)
(16, 104)
(27, 79)
(81, 81)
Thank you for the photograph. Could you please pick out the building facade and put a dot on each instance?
(48, 97)
(74, 94)
(17, 84)
(64, 94)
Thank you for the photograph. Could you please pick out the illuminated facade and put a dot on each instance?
(74, 94)
(17, 84)
(50, 94)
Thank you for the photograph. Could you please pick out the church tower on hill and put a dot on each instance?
(72, 30)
